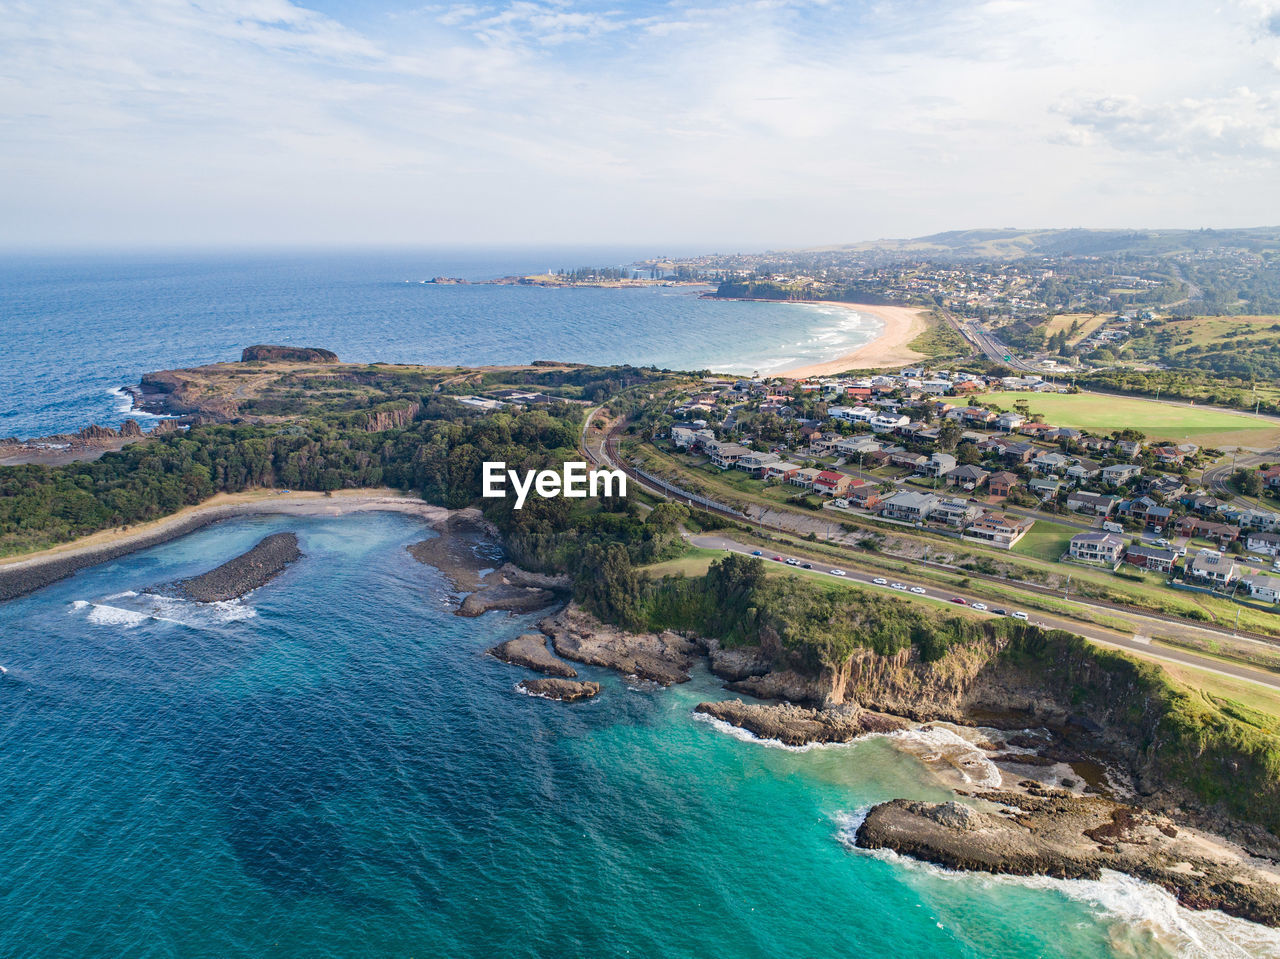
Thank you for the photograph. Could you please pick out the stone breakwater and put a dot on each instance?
(248, 571)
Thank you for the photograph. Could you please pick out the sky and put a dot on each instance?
(703, 125)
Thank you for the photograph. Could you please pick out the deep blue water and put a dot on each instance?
(75, 329)
(333, 767)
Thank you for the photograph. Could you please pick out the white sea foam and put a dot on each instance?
(940, 744)
(124, 404)
(132, 610)
(1136, 908)
(747, 736)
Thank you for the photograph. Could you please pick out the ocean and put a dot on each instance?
(77, 329)
(332, 766)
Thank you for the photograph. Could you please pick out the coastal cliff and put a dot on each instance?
(287, 354)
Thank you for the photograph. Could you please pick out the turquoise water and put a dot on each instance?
(76, 329)
(333, 767)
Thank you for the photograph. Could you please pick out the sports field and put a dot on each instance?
(1170, 422)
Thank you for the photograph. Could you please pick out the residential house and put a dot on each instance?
(1223, 533)
(831, 483)
(1164, 487)
(1083, 470)
(1265, 588)
(804, 477)
(1050, 463)
(909, 505)
(726, 455)
(781, 471)
(1091, 547)
(1127, 449)
(1097, 504)
(755, 463)
(953, 512)
(1001, 482)
(939, 464)
(1261, 542)
(1009, 421)
(1271, 477)
(1120, 473)
(1158, 518)
(998, 529)
(967, 477)
(1151, 557)
(888, 422)
(1211, 566)
(864, 497)
(1019, 453)
(1169, 455)
(1137, 508)
(1046, 487)
(914, 461)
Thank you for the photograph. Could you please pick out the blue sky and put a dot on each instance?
(703, 123)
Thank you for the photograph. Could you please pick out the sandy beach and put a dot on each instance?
(902, 324)
(22, 574)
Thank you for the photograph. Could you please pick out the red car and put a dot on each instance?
(777, 559)
(957, 599)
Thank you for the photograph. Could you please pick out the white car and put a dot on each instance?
(880, 581)
(897, 586)
(918, 590)
(1162, 542)
(1018, 615)
(980, 607)
(837, 572)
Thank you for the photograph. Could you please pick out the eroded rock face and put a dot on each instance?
(663, 658)
(799, 726)
(530, 651)
(564, 690)
(1047, 832)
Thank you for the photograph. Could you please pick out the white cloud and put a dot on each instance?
(769, 121)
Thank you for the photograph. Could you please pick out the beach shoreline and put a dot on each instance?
(23, 574)
(901, 325)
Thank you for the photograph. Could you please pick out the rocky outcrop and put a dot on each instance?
(530, 651)
(287, 354)
(394, 418)
(506, 596)
(243, 574)
(736, 663)
(1047, 832)
(798, 726)
(564, 690)
(663, 658)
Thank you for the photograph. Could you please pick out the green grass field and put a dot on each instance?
(1159, 421)
(1045, 540)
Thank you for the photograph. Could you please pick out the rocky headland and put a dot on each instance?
(1046, 832)
(247, 572)
(663, 658)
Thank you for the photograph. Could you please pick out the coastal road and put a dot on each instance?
(822, 567)
(1144, 625)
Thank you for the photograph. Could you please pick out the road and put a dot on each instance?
(1107, 637)
(605, 453)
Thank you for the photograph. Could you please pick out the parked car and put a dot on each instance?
(897, 586)
(806, 566)
(1018, 615)
(880, 581)
(837, 572)
(756, 552)
(1000, 612)
(793, 562)
(1162, 542)
(981, 607)
(960, 599)
(777, 559)
(918, 590)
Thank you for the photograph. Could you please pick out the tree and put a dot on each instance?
(1248, 482)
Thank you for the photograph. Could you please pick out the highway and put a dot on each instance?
(605, 453)
(823, 567)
